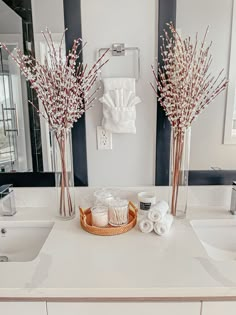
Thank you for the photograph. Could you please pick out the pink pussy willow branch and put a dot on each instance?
(64, 85)
(185, 87)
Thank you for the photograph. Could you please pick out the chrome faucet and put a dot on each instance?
(7, 200)
(233, 199)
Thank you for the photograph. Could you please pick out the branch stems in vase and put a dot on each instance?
(178, 144)
(63, 167)
(66, 204)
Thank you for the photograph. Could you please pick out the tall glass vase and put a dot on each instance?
(179, 171)
(62, 164)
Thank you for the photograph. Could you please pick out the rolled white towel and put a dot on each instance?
(163, 227)
(146, 226)
(158, 211)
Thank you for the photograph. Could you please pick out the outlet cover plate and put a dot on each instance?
(104, 139)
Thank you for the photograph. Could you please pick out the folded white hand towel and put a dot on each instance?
(119, 112)
(158, 211)
(146, 226)
(119, 101)
(163, 227)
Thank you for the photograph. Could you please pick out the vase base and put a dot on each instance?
(66, 218)
(180, 214)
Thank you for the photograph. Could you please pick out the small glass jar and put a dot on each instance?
(118, 213)
(99, 216)
(102, 197)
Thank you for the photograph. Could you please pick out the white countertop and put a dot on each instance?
(76, 264)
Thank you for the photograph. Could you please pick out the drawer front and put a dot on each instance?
(23, 308)
(219, 308)
(124, 308)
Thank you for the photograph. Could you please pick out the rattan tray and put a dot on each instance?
(86, 223)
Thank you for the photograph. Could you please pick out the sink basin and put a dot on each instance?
(22, 241)
(218, 237)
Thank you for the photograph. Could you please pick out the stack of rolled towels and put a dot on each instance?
(158, 219)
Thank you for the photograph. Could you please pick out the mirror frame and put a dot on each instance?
(167, 13)
(73, 24)
(72, 21)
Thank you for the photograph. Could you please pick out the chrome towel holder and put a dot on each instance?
(119, 49)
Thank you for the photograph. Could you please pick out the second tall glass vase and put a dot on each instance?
(179, 171)
(62, 164)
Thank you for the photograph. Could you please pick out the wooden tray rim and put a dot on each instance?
(109, 230)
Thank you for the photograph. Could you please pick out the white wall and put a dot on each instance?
(207, 148)
(133, 22)
(48, 13)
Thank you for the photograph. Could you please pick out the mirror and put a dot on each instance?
(131, 161)
(230, 115)
(209, 150)
(20, 125)
(24, 136)
(15, 146)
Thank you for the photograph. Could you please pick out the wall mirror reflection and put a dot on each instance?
(20, 143)
(212, 147)
(15, 142)
(112, 167)
(24, 136)
(230, 114)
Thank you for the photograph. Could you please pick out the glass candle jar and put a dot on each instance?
(99, 216)
(146, 200)
(118, 213)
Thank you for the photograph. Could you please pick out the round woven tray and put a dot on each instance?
(86, 223)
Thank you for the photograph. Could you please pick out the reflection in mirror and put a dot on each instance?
(208, 149)
(15, 147)
(41, 51)
(230, 117)
(24, 136)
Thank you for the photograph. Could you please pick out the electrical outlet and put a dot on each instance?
(104, 139)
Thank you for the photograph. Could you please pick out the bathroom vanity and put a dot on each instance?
(77, 272)
(53, 267)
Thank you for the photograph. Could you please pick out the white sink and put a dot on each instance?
(218, 237)
(22, 241)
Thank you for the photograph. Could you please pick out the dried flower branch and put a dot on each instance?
(63, 85)
(185, 87)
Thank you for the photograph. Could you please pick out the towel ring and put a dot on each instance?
(119, 49)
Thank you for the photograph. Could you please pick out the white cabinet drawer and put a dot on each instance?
(219, 308)
(23, 308)
(124, 308)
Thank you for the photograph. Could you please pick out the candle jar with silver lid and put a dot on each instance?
(103, 197)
